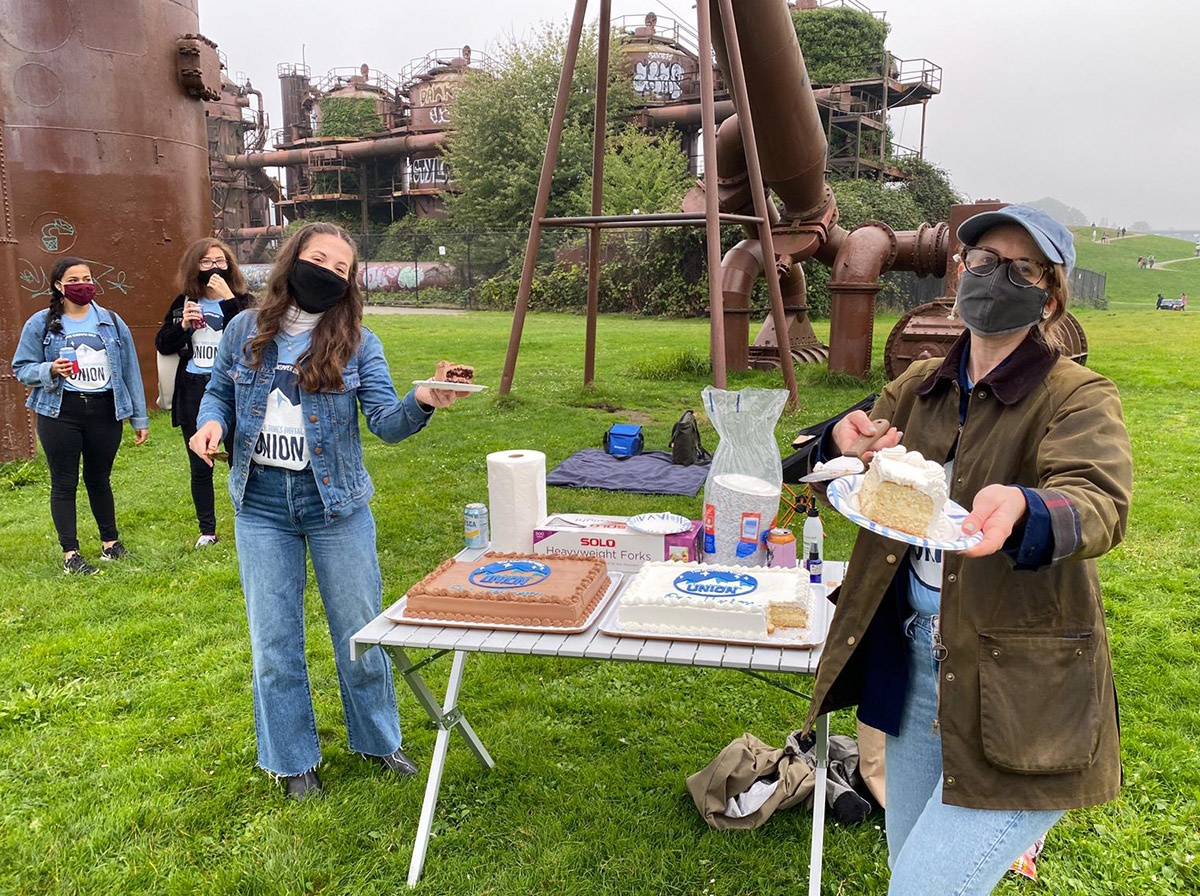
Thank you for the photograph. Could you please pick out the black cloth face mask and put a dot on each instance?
(315, 289)
(992, 305)
(205, 276)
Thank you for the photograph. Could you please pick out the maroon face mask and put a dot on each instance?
(80, 293)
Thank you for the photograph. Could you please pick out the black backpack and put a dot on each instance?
(685, 442)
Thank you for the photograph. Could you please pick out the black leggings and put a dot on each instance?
(87, 427)
(194, 385)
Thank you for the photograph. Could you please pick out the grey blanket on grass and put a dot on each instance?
(649, 473)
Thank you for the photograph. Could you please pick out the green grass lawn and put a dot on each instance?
(127, 759)
(1128, 286)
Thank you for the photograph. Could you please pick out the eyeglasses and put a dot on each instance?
(1022, 272)
(207, 264)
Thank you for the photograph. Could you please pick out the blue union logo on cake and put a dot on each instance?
(509, 574)
(715, 583)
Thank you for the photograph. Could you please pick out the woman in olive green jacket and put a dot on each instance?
(989, 669)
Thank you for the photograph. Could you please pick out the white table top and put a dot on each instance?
(594, 644)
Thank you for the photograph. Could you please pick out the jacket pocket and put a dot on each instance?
(1039, 711)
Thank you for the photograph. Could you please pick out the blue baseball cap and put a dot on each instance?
(1056, 242)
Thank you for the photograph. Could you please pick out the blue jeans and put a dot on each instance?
(933, 847)
(282, 516)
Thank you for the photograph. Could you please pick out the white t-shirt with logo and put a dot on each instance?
(282, 442)
(95, 373)
(206, 339)
(925, 578)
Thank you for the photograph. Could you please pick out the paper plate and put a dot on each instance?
(945, 533)
(659, 523)
(453, 387)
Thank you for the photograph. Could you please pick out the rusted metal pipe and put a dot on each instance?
(353, 149)
(792, 149)
(868, 251)
(729, 32)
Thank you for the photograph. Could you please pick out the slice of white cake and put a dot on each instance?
(902, 490)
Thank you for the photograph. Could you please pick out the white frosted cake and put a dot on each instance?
(902, 490)
(714, 601)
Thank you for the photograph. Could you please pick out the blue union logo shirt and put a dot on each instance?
(95, 373)
(282, 442)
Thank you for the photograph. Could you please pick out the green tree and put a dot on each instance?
(645, 171)
(501, 121)
(929, 188)
(840, 44)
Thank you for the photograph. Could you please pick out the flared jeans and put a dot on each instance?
(282, 519)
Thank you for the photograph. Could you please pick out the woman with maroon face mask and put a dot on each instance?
(80, 362)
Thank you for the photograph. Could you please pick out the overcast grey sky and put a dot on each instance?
(1093, 102)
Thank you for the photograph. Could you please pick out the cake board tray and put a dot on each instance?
(396, 610)
(799, 638)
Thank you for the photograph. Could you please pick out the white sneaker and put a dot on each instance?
(205, 541)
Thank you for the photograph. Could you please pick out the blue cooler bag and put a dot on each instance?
(623, 440)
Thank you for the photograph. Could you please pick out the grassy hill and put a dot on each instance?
(1129, 286)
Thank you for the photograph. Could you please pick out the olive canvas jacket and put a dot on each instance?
(1027, 708)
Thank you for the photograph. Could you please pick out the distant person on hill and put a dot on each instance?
(1141, 261)
(1183, 300)
(1159, 303)
(1198, 248)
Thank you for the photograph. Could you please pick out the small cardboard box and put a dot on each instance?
(610, 538)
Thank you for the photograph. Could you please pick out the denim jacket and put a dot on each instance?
(238, 393)
(35, 354)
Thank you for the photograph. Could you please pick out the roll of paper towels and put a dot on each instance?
(516, 498)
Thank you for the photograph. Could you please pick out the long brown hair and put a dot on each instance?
(336, 336)
(187, 279)
(1060, 291)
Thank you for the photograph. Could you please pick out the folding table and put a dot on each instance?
(764, 663)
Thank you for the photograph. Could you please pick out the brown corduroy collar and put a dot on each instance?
(1011, 380)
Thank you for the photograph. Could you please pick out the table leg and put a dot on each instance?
(819, 799)
(446, 718)
(450, 717)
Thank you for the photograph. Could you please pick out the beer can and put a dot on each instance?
(67, 353)
(475, 526)
(781, 548)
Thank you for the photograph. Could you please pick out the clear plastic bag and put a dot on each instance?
(741, 494)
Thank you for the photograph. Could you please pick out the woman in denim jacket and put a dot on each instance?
(290, 376)
(81, 363)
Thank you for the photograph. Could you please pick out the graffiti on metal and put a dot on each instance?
(57, 234)
(36, 282)
(429, 172)
(658, 77)
(434, 94)
(374, 276)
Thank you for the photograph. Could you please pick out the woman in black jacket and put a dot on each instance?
(213, 291)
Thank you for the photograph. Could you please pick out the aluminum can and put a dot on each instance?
(781, 548)
(475, 526)
(67, 353)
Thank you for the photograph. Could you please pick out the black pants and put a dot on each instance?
(194, 385)
(86, 427)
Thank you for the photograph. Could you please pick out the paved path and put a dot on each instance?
(404, 309)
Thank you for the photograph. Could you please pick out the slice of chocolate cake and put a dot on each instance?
(449, 372)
